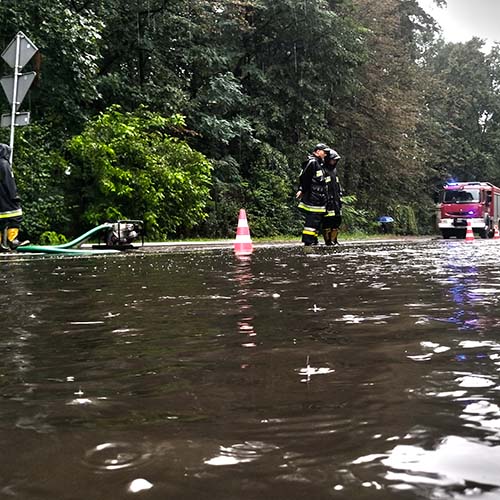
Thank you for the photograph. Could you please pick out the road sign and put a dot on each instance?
(26, 49)
(22, 118)
(24, 82)
(19, 51)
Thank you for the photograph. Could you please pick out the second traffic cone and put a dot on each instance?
(243, 242)
(469, 235)
(496, 234)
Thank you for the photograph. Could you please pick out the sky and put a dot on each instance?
(463, 19)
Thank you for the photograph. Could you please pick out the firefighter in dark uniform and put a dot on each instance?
(11, 214)
(312, 194)
(333, 215)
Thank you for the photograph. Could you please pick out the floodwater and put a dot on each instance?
(368, 371)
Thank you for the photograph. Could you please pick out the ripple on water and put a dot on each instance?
(118, 455)
(239, 453)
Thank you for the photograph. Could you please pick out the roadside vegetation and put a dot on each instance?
(181, 112)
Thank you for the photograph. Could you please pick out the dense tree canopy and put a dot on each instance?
(180, 112)
(126, 166)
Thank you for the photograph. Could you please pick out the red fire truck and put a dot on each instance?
(461, 202)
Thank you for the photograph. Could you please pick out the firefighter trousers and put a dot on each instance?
(312, 227)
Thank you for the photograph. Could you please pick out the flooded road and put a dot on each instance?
(363, 372)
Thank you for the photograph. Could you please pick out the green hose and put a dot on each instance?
(85, 236)
(68, 248)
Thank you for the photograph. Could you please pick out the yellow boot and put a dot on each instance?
(12, 241)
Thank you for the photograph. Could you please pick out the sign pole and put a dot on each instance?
(19, 51)
(14, 99)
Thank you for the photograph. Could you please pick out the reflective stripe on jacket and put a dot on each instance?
(11, 213)
(312, 185)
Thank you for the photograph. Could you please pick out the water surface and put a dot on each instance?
(369, 372)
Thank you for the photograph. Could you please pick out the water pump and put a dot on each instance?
(122, 233)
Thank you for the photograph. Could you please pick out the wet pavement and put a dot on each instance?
(368, 371)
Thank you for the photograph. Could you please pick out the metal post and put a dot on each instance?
(14, 98)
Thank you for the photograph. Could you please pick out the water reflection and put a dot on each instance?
(462, 291)
(244, 277)
(464, 372)
(139, 484)
(308, 371)
(455, 461)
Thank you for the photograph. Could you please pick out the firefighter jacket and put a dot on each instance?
(10, 204)
(312, 185)
(333, 191)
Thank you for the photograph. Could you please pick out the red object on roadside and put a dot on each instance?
(460, 202)
(469, 235)
(243, 243)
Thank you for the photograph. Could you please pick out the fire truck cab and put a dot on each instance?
(461, 202)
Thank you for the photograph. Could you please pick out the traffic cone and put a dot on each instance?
(469, 235)
(243, 243)
(496, 234)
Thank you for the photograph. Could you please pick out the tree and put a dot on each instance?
(65, 89)
(269, 87)
(131, 166)
(464, 106)
(378, 124)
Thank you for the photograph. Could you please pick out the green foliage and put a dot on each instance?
(379, 122)
(463, 110)
(52, 238)
(298, 66)
(219, 102)
(227, 197)
(67, 64)
(269, 194)
(405, 221)
(127, 166)
(357, 219)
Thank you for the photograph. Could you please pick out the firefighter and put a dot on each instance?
(11, 214)
(312, 194)
(333, 215)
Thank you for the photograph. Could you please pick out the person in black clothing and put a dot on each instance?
(333, 215)
(11, 214)
(312, 194)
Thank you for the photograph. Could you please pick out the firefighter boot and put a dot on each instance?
(3, 241)
(327, 235)
(334, 234)
(12, 241)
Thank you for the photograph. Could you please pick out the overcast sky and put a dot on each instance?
(463, 19)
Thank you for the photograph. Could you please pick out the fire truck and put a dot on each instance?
(461, 202)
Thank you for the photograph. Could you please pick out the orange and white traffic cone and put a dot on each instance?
(469, 235)
(496, 234)
(243, 242)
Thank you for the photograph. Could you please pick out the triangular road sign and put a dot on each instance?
(24, 82)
